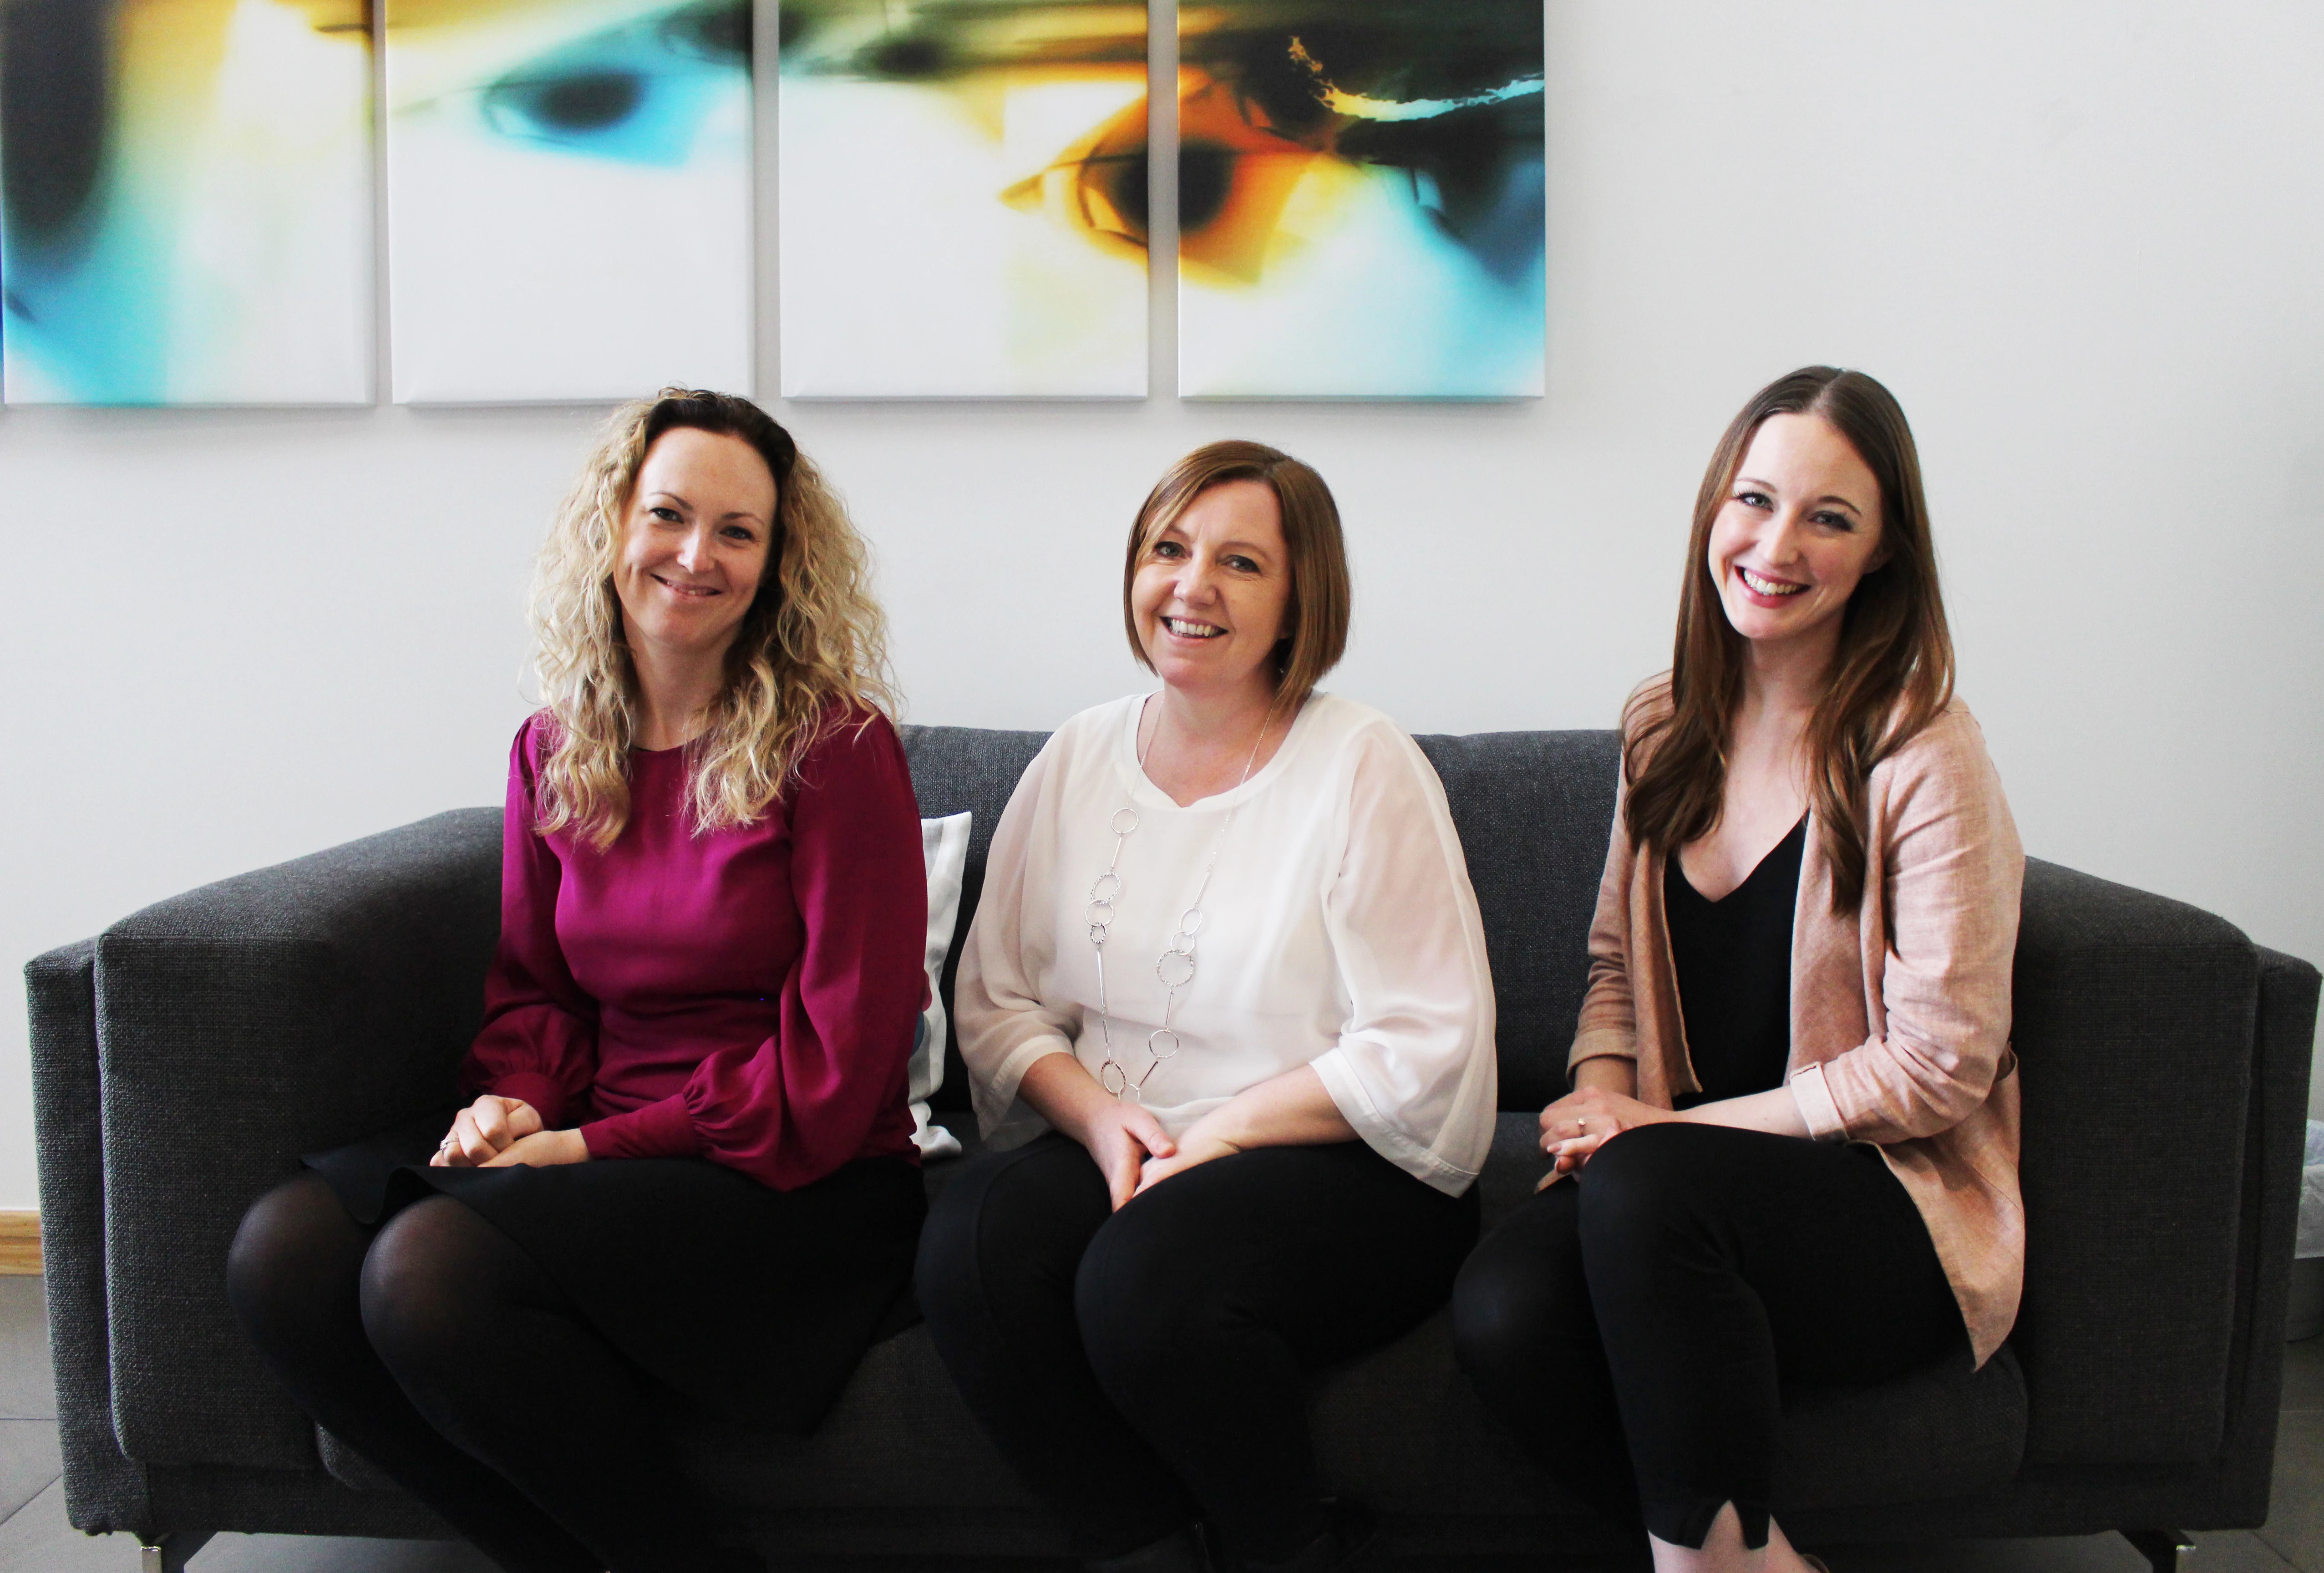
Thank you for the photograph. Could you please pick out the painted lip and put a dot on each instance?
(1756, 597)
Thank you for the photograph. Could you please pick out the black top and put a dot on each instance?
(1733, 957)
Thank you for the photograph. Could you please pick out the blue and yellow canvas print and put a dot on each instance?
(185, 202)
(1360, 198)
(963, 198)
(569, 197)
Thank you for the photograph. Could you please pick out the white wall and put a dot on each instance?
(2083, 242)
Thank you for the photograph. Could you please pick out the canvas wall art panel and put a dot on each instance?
(569, 202)
(963, 198)
(185, 202)
(1360, 198)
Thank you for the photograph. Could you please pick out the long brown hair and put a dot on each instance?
(811, 649)
(1318, 611)
(1892, 674)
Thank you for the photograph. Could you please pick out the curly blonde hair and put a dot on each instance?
(810, 654)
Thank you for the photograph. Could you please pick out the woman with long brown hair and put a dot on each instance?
(685, 1166)
(1791, 1151)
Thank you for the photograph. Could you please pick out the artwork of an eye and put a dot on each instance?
(640, 93)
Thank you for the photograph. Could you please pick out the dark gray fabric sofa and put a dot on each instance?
(183, 1058)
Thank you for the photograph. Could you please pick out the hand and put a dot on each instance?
(1121, 1137)
(483, 1130)
(542, 1150)
(1578, 1124)
(1197, 1147)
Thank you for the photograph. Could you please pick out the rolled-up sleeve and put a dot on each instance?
(1412, 1070)
(1954, 872)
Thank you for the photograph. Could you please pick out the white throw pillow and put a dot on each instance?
(944, 846)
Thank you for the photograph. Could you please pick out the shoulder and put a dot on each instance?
(1941, 773)
(1951, 744)
(536, 739)
(853, 744)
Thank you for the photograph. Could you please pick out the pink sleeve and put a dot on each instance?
(539, 1041)
(793, 1108)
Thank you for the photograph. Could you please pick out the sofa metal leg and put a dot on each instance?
(2160, 1548)
(170, 1554)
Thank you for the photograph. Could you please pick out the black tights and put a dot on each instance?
(438, 1349)
(1634, 1325)
(1146, 1366)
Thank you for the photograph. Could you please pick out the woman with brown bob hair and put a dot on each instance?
(684, 1167)
(1226, 1016)
(1791, 1152)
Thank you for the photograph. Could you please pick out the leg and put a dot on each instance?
(1527, 1335)
(1722, 1261)
(292, 1278)
(996, 1283)
(489, 1350)
(1205, 1303)
(2160, 1548)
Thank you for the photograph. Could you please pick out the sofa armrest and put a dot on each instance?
(2134, 1028)
(294, 1008)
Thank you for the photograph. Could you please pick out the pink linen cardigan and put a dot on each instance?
(1900, 1010)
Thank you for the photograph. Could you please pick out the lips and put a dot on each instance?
(1758, 584)
(686, 591)
(1186, 628)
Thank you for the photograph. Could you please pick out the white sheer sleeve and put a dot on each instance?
(1413, 1069)
(1004, 1027)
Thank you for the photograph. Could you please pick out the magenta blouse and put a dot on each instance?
(749, 995)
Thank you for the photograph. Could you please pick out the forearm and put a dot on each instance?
(1774, 1111)
(1058, 1089)
(1607, 1073)
(1290, 1110)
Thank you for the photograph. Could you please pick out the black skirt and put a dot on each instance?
(755, 1304)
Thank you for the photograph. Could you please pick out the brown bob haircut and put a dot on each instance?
(1318, 610)
(1891, 676)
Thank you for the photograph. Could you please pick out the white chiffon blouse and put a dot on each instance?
(1340, 931)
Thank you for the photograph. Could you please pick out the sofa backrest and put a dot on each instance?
(1533, 809)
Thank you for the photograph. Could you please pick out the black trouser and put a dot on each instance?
(1145, 1367)
(438, 1349)
(1633, 1324)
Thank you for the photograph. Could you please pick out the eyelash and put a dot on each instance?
(1171, 551)
(1833, 521)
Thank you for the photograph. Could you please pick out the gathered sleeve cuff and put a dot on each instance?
(793, 1108)
(1954, 872)
(1414, 1070)
(1004, 1028)
(539, 1041)
(1812, 1098)
(661, 1129)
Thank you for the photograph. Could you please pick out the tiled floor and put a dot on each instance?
(35, 1538)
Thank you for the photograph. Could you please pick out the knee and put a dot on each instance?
(296, 1251)
(1520, 1304)
(419, 1292)
(1640, 1186)
(1149, 1312)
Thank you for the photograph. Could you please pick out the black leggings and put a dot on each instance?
(1632, 1325)
(438, 1349)
(1145, 1367)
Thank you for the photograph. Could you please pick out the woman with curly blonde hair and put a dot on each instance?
(685, 1166)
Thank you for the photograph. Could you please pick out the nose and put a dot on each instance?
(1196, 579)
(1781, 543)
(694, 549)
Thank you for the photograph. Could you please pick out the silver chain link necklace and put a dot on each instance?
(1175, 968)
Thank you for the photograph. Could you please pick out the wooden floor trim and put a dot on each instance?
(19, 1243)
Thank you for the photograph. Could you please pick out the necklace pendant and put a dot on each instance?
(1112, 1077)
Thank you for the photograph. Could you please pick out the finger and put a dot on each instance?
(491, 1124)
(524, 1120)
(1149, 1133)
(472, 1145)
(508, 1159)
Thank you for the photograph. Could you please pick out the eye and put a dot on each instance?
(1169, 548)
(741, 534)
(1833, 520)
(665, 513)
(1750, 499)
(1241, 563)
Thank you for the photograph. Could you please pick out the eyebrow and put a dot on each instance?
(679, 498)
(1826, 496)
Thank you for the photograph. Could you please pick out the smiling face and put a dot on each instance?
(693, 541)
(1213, 591)
(1800, 527)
